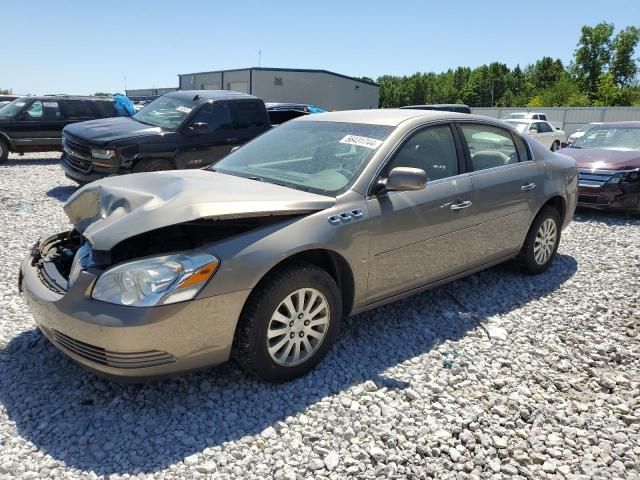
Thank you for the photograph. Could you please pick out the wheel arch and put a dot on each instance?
(5, 138)
(559, 203)
(330, 261)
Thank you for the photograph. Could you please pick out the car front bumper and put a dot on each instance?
(84, 172)
(132, 344)
(618, 197)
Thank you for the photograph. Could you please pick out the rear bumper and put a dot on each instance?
(129, 343)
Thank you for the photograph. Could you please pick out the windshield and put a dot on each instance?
(165, 112)
(517, 115)
(320, 157)
(610, 138)
(11, 109)
(522, 127)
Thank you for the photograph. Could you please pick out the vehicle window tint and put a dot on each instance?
(489, 146)
(535, 126)
(51, 110)
(248, 114)
(432, 149)
(544, 127)
(34, 111)
(75, 109)
(216, 115)
(105, 108)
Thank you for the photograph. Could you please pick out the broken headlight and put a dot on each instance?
(157, 280)
(626, 176)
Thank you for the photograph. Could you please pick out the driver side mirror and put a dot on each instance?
(198, 128)
(402, 179)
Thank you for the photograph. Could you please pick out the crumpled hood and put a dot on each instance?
(603, 159)
(107, 130)
(113, 209)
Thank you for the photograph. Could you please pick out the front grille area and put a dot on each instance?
(150, 358)
(594, 178)
(78, 155)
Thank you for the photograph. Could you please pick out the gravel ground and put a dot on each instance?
(495, 376)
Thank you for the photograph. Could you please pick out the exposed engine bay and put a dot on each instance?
(60, 258)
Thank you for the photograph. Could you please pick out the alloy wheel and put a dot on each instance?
(298, 326)
(545, 242)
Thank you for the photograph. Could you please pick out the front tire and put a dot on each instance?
(541, 245)
(153, 165)
(4, 151)
(289, 323)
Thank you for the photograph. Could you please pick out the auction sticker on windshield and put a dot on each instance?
(367, 142)
(183, 109)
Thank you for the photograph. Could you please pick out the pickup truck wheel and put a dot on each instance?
(4, 151)
(555, 146)
(289, 323)
(541, 244)
(153, 165)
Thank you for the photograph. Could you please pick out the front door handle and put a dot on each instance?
(528, 186)
(460, 205)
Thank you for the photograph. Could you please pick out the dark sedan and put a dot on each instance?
(608, 158)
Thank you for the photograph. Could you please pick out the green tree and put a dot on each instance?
(5, 92)
(101, 94)
(623, 66)
(546, 72)
(608, 93)
(593, 54)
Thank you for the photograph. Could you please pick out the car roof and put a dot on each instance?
(386, 116)
(209, 94)
(66, 97)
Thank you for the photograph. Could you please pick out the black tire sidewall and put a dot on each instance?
(252, 348)
(4, 151)
(527, 257)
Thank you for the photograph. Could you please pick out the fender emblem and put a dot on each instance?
(345, 217)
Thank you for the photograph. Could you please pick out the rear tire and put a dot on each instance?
(541, 245)
(153, 165)
(4, 151)
(289, 323)
(555, 146)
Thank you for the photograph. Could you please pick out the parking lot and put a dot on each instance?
(498, 375)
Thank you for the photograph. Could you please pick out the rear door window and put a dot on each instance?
(75, 109)
(489, 146)
(103, 108)
(51, 110)
(248, 115)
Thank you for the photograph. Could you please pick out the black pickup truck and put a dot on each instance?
(183, 129)
(35, 123)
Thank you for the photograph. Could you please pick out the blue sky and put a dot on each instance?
(83, 46)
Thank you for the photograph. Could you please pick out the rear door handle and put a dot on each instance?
(528, 186)
(460, 205)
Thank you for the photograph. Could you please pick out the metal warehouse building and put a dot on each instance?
(327, 90)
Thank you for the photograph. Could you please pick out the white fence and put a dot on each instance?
(570, 118)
